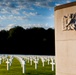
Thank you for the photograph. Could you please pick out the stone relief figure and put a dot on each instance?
(70, 22)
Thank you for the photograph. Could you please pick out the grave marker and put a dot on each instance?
(48, 61)
(8, 64)
(52, 63)
(10, 60)
(28, 59)
(31, 61)
(43, 61)
(36, 63)
(23, 66)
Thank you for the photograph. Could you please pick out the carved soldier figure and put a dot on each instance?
(71, 22)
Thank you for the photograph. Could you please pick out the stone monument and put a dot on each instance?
(65, 39)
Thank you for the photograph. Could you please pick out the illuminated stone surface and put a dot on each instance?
(65, 39)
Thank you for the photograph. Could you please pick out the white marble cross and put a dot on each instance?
(43, 61)
(3, 59)
(52, 63)
(31, 61)
(23, 66)
(28, 59)
(48, 61)
(10, 60)
(8, 64)
(36, 63)
(38, 58)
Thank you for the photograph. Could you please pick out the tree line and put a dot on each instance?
(33, 41)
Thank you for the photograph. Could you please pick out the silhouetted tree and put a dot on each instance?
(27, 41)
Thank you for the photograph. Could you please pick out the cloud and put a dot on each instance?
(7, 27)
(33, 13)
(25, 26)
(15, 6)
(28, 3)
(68, 1)
(9, 11)
(3, 11)
(15, 11)
(29, 14)
(10, 26)
(12, 17)
(51, 16)
(45, 4)
(2, 17)
(57, 4)
(46, 26)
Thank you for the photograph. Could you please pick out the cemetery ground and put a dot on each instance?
(16, 68)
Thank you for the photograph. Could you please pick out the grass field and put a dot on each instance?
(16, 69)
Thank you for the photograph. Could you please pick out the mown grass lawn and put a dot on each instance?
(16, 69)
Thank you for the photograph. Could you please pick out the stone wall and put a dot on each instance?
(65, 39)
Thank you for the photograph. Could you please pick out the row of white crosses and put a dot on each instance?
(8, 61)
(52, 61)
(22, 62)
(44, 59)
(4, 58)
(48, 59)
(32, 60)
